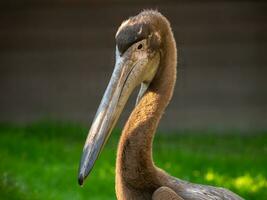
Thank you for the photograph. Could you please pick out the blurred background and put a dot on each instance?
(56, 59)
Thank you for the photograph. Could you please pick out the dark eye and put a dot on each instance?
(140, 46)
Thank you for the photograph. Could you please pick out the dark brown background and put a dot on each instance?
(56, 58)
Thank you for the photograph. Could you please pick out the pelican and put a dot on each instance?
(146, 56)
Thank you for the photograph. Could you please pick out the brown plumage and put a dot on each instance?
(146, 44)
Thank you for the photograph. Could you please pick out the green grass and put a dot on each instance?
(40, 161)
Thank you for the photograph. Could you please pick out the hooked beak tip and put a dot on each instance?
(81, 179)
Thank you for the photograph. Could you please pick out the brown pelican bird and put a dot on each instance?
(146, 56)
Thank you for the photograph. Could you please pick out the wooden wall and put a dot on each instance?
(56, 58)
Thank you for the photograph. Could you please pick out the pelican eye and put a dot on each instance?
(140, 46)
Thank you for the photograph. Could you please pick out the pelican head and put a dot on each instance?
(138, 50)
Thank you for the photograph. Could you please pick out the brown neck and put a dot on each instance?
(134, 166)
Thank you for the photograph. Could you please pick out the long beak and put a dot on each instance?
(115, 97)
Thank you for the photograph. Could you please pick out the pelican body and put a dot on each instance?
(145, 56)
